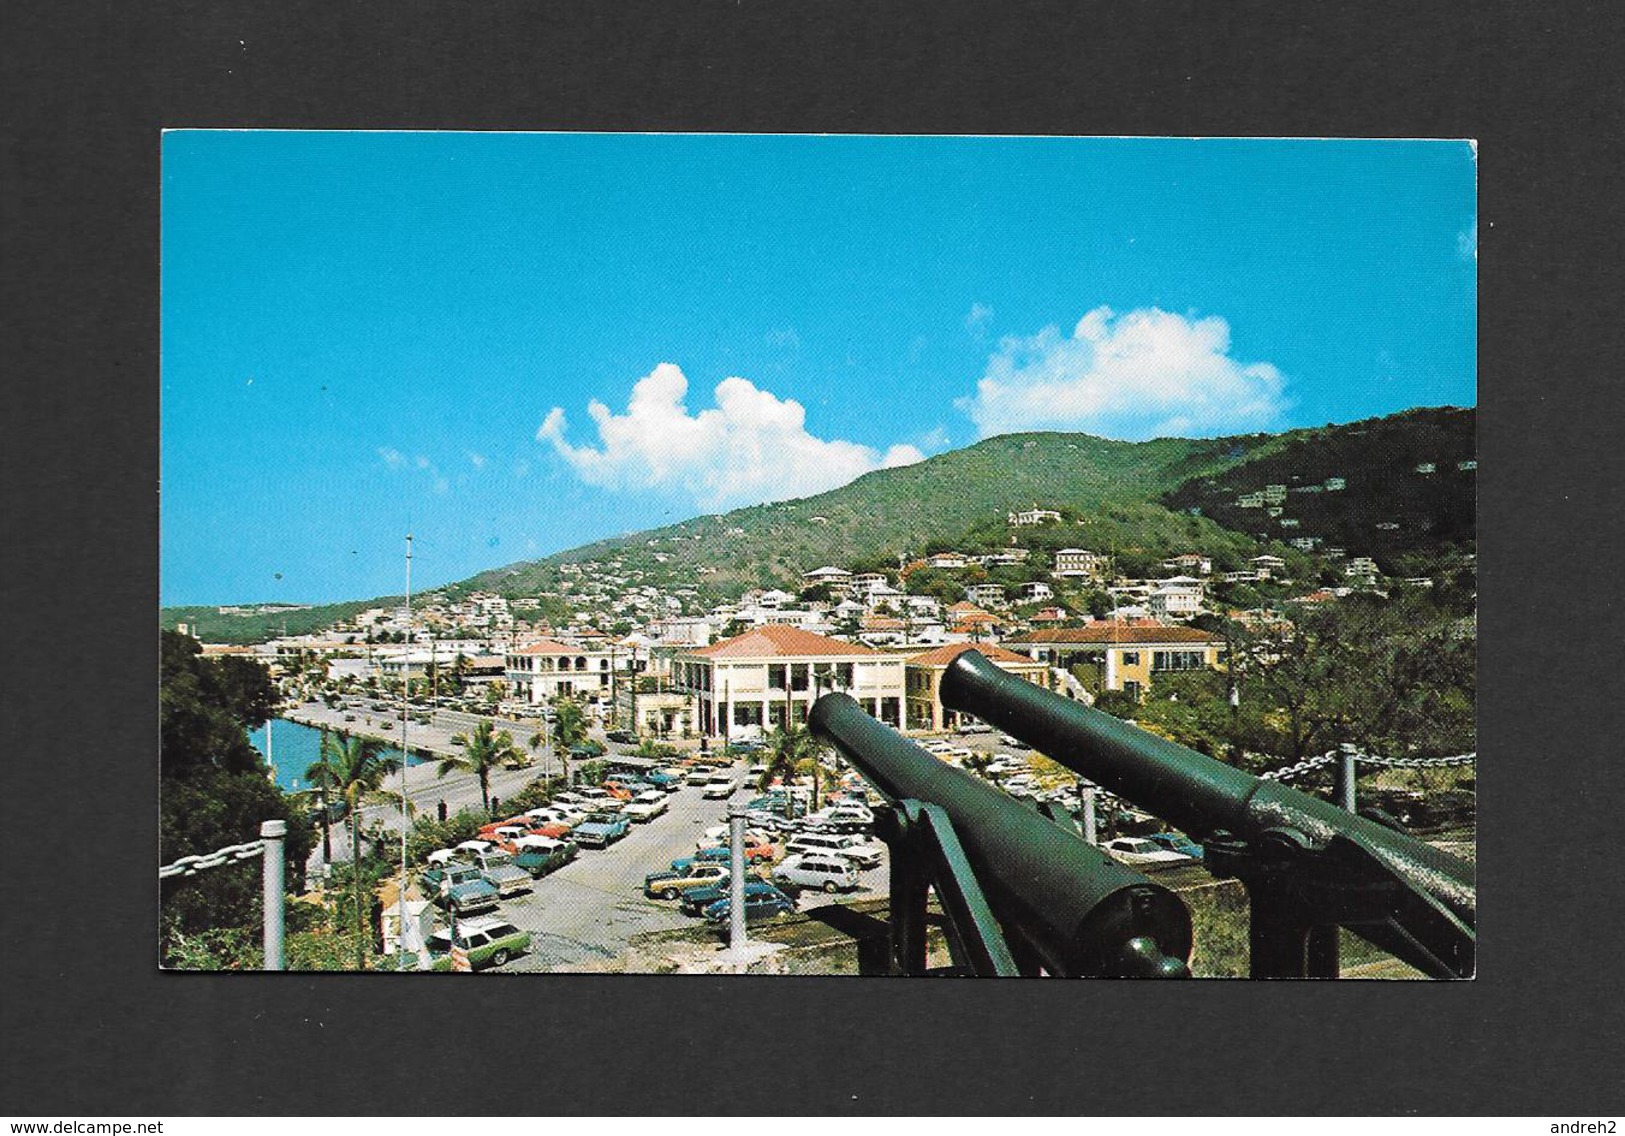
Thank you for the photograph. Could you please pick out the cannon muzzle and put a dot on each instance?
(1079, 911)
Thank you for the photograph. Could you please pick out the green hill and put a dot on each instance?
(1140, 500)
(950, 500)
(1407, 492)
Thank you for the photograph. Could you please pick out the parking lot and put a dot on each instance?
(584, 913)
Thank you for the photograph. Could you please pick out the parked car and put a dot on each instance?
(841, 818)
(662, 780)
(624, 737)
(759, 906)
(601, 829)
(671, 885)
(647, 806)
(489, 941)
(855, 848)
(697, 775)
(540, 855)
(698, 899)
(1013, 743)
(461, 887)
(1177, 842)
(502, 873)
(719, 787)
(718, 834)
(1138, 850)
(816, 870)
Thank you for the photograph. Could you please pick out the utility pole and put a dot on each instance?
(736, 878)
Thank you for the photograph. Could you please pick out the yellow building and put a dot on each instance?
(924, 680)
(1125, 656)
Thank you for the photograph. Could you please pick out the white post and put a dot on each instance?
(273, 833)
(1086, 806)
(736, 877)
(1346, 770)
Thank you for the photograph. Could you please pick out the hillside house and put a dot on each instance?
(1033, 516)
(1078, 562)
(828, 574)
(985, 595)
(1267, 566)
(1190, 563)
(1036, 591)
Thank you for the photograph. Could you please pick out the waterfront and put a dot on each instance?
(295, 747)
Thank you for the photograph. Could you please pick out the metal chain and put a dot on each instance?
(1418, 762)
(192, 865)
(1302, 767)
(1311, 763)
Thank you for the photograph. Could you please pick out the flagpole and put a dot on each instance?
(406, 754)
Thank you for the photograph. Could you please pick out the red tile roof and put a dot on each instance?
(544, 647)
(776, 640)
(1107, 633)
(948, 652)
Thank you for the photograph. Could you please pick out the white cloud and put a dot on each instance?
(977, 319)
(476, 460)
(752, 446)
(1467, 243)
(393, 458)
(1142, 374)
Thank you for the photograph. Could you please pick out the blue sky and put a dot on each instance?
(514, 344)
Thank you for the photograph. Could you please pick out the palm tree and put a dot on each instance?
(569, 730)
(317, 774)
(483, 751)
(791, 749)
(353, 770)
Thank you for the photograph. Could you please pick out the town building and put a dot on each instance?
(1078, 562)
(745, 685)
(924, 677)
(1036, 591)
(541, 671)
(1267, 566)
(1123, 656)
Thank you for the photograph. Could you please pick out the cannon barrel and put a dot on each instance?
(1204, 796)
(1080, 911)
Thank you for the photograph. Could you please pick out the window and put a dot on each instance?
(1131, 658)
(1176, 661)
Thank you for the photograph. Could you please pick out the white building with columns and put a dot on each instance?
(744, 686)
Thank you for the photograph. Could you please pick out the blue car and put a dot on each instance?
(1177, 842)
(759, 906)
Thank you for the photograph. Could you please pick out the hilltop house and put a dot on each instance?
(1123, 656)
(1033, 516)
(745, 685)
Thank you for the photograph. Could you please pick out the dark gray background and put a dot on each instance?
(91, 1027)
